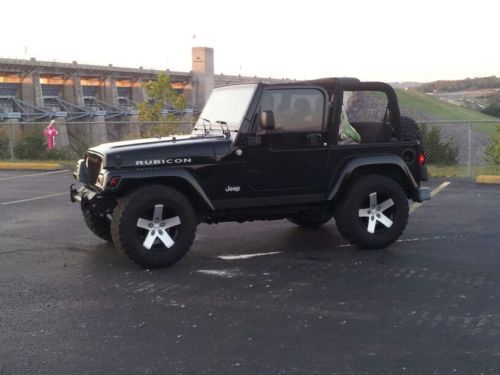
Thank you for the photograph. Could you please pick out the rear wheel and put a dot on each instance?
(154, 226)
(373, 212)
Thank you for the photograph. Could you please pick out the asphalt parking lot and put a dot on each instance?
(308, 304)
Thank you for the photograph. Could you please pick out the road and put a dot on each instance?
(307, 304)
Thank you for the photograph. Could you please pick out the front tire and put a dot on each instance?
(373, 212)
(154, 226)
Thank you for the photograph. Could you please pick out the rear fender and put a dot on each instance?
(353, 165)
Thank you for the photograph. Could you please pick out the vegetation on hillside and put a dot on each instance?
(493, 107)
(491, 82)
(483, 97)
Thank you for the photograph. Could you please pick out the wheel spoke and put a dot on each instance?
(150, 239)
(371, 225)
(373, 200)
(172, 222)
(166, 239)
(385, 220)
(157, 215)
(144, 224)
(363, 212)
(385, 205)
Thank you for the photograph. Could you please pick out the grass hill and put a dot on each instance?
(424, 107)
(471, 147)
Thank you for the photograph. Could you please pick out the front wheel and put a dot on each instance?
(373, 212)
(154, 226)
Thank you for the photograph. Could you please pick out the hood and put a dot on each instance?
(166, 151)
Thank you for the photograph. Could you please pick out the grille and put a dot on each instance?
(94, 164)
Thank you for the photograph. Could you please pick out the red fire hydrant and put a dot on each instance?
(50, 134)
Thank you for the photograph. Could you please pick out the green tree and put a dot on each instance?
(437, 151)
(493, 109)
(160, 95)
(493, 151)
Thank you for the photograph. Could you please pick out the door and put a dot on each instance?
(292, 158)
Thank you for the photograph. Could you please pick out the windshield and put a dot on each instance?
(226, 105)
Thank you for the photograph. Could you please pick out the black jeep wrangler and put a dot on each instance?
(259, 152)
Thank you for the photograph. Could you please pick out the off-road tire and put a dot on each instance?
(409, 129)
(356, 201)
(100, 226)
(130, 238)
(310, 221)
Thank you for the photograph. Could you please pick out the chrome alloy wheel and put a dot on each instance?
(158, 228)
(375, 213)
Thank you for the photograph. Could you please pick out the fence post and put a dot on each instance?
(469, 147)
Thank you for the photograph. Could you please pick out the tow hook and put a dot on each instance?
(73, 194)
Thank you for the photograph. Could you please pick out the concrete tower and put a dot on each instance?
(203, 74)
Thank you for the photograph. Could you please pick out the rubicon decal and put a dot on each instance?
(163, 161)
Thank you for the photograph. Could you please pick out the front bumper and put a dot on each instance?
(82, 195)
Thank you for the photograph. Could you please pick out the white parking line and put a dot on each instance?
(221, 273)
(33, 174)
(441, 187)
(36, 198)
(246, 256)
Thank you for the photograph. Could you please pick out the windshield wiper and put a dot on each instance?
(209, 124)
(226, 132)
(223, 125)
(204, 121)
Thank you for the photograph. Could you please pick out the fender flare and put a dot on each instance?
(389, 159)
(143, 175)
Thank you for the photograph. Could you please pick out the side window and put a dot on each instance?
(295, 109)
(365, 106)
(365, 117)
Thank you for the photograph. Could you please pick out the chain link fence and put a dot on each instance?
(464, 149)
(29, 140)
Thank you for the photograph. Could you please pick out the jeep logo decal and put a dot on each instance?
(163, 161)
(230, 189)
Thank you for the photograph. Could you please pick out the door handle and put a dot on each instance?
(314, 139)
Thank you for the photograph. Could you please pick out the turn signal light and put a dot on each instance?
(114, 181)
(421, 159)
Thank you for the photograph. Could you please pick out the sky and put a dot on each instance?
(382, 40)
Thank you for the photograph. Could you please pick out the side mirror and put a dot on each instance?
(266, 120)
